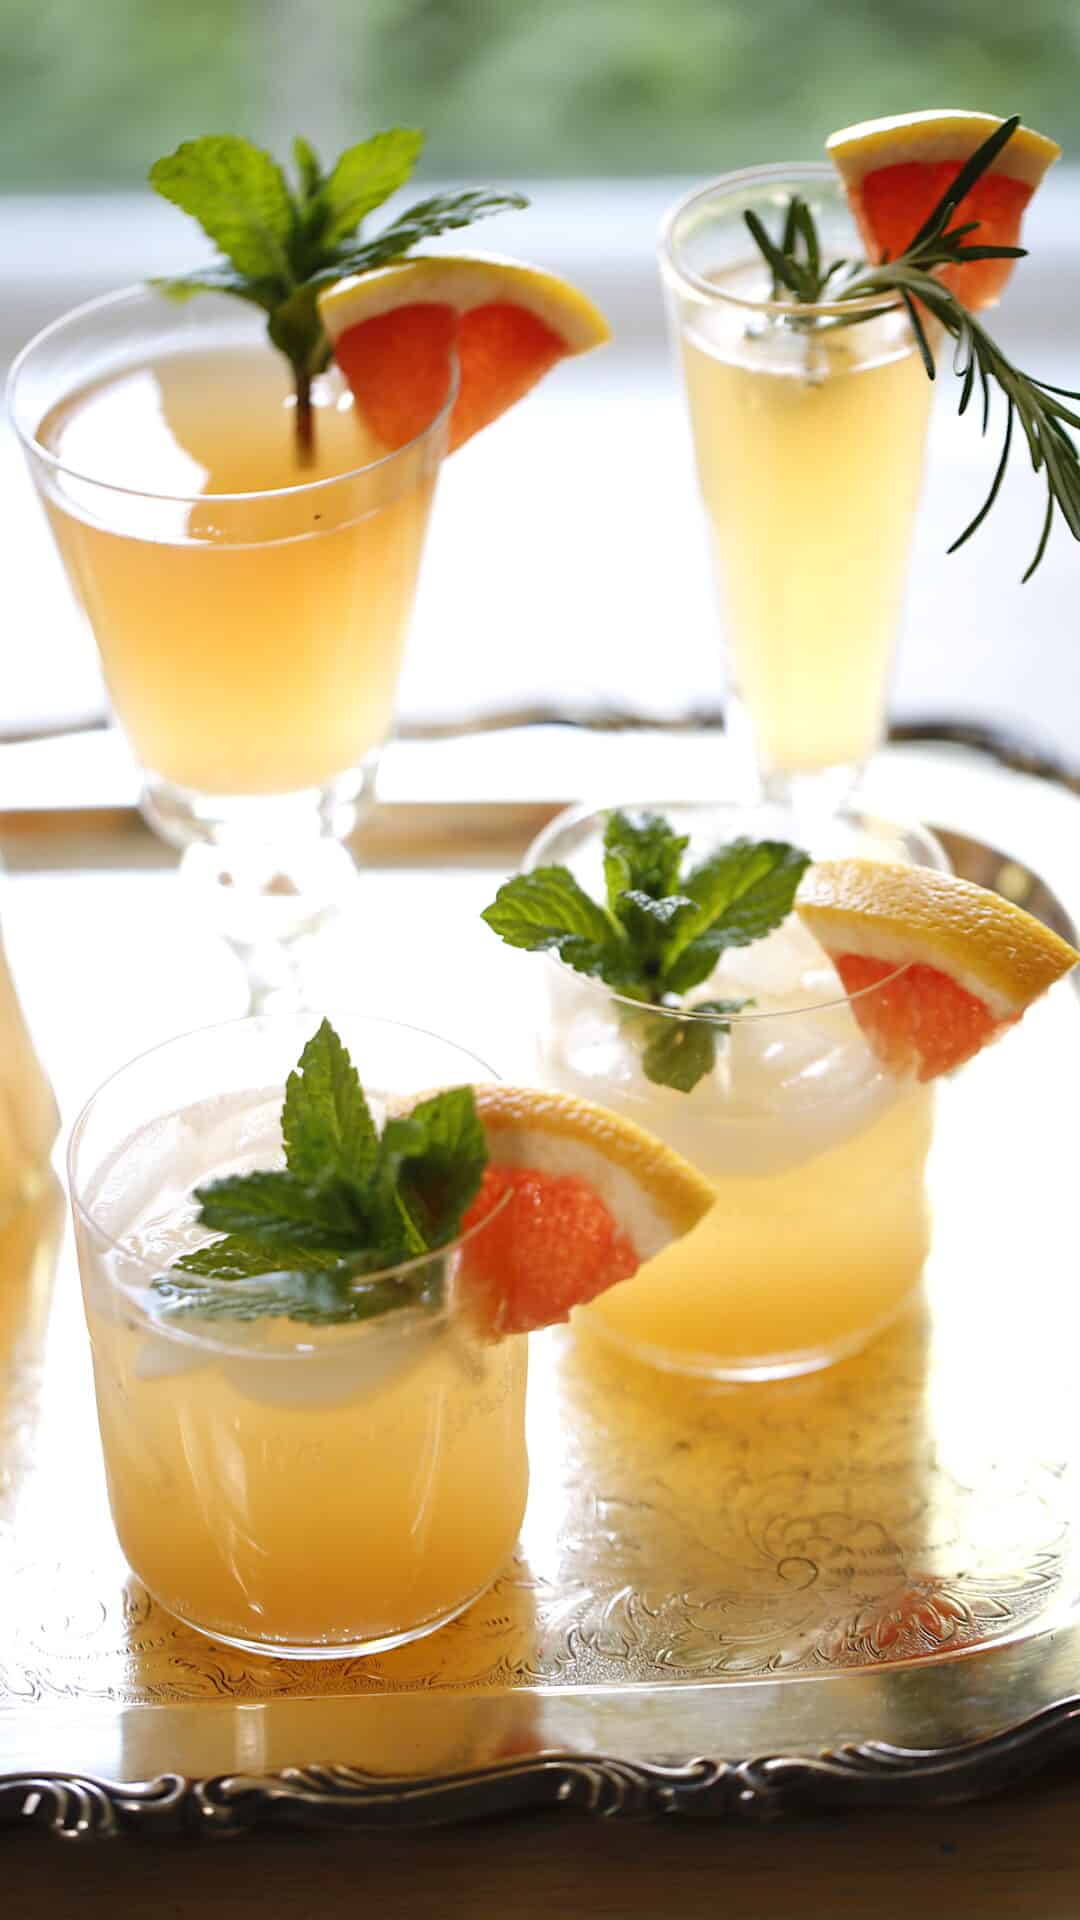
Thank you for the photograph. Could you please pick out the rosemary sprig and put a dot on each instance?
(978, 361)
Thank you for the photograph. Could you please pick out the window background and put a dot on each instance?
(566, 561)
(92, 90)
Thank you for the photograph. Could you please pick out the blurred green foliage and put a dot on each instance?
(92, 90)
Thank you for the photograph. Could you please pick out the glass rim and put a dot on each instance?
(35, 448)
(223, 1028)
(570, 817)
(685, 278)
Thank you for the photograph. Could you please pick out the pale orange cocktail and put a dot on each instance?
(250, 611)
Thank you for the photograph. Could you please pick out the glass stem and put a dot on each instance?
(274, 974)
(266, 903)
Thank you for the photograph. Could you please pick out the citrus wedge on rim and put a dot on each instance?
(971, 961)
(895, 170)
(393, 331)
(591, 1196)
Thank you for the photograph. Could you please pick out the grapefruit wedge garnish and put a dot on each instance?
(895, 171)
(935, 966)
(393, 331)
(590, 1197)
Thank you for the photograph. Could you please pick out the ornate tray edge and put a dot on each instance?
(872, 1775)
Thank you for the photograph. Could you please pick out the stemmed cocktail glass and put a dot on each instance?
(250, 614)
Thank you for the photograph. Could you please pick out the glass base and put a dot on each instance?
(811, 791)
(328, 1650)
(739, 1370)
(812, 796)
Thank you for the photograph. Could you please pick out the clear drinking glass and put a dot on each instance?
(250, 612)
(287, 1488)
(809, 437)
(816, 1150)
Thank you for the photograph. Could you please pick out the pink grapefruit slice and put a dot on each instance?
(895, 170)
(951, 964)
(393, 331)
(591, 1196)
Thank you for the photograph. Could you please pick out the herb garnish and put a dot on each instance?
(349, 1202)
(281, 244)
(660, 932)
(795, 265)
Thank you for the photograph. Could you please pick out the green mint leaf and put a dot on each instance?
(741, 893)
(679, 1053)
(442, 1159)
(392, 1221)
(693, 964)
(281, 1204)
(326, 1122)
(642, 854)
(443, 213)
(240, 1256)
(306, 162)
(364, 176)
(547, 911)
(650, 927)
(316, 1299)
(240, 198)
(223, 279)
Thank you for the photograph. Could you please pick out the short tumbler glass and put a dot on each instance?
(287, 1488)
(816, 1150)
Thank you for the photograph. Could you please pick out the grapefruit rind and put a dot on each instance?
(465, 281)
(905, 915)
(393, 332)
(896, 170)
(932, 136)
(651, 1192)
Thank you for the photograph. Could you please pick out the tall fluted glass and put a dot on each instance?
(809, 434)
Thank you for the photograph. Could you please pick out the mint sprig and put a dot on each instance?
(281, 243)
(660, 931)
(300, 1241)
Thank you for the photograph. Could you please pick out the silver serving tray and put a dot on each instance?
(857, 1589)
